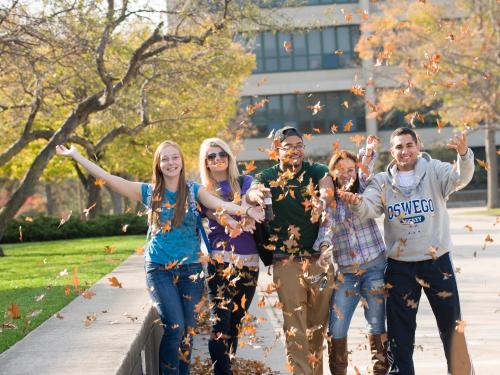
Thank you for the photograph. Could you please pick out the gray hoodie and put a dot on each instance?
(416, 224)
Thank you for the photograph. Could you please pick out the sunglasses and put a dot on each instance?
(213, 155)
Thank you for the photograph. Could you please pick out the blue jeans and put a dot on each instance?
(175, 296)
(225, 292)
(370, 286)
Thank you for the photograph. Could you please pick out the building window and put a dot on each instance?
(338, 108)
(328, 48)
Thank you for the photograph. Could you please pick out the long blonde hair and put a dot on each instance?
(207, 179)
(159, 189)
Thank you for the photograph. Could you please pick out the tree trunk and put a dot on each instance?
(28, 183)
(491, 159)
(51, 201)
(93, 196)
(117, 201)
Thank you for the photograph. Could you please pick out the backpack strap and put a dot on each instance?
(192, 207)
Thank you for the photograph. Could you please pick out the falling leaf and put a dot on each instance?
(339, 52)
(28, 219)
(167, 226)
(262, 302)
(113, 281)
(252, 108)
(65, 219)
(483, 164)
(99, 182)
(20, 233)
(440, 125)
(74, 279)
(358, 90)
(444, 294)
(125, 227)
(315, 108)
(67, 290)
(88, 294)
(357, 139)
(307, 136)
(422, 282)
(432, 252)
(109, 249)
(488, 239)
(87, 210)
(411, 303)
(287, 46)
(345, 103)
(348, 17)
(39, 298)
(348, 125)
(262, 81)
(13, 311)
(249, 167)
(59, 316)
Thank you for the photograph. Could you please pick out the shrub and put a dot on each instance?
(47, 228)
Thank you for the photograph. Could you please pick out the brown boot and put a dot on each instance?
(337, 356)
(378, 348)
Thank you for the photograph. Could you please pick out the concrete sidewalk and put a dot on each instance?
(478, 276)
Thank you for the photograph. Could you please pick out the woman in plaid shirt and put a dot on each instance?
(359, 254)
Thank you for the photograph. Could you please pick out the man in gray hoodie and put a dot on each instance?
(412, 193)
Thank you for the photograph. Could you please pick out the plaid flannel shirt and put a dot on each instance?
(354, 241)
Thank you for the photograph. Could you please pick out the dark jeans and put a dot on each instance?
(225, 291)
(402, 306)
(175, 295)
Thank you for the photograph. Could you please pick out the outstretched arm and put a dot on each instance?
(213, 203)
(129, 189)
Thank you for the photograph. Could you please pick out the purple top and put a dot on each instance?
(244, 244)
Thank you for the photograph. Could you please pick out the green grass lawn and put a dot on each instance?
(36, 270)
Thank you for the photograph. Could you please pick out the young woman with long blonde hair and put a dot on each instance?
(173, 270)
(234, 268)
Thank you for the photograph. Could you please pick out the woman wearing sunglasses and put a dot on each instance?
(173, 270)
(234, 267)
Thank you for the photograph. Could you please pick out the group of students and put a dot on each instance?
(328, 253)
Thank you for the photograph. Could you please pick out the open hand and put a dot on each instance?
(62, 150)
(257, 193)
(459, 143)
(349, 197)
(256, 213)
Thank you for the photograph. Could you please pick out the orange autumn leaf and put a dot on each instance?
(498, 151)
(113, 281)
(348, 17)
(444, 294)
(28, 219)
(339, 52)
(468, 227)
(348, 125)
(109, 249)
(307, 136)
(243, 301)
(171, 264)
(99, 182)
(139, 250)
(317, 130)
(483, 164)
(67, 290)
(250, 166)
(262, 302)
(167, 226)
(169, 205)
(74, 279)
(88, 294)
(358, 90)
(280, 197)
(287, 46)
(13, 311)
(440, 125)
